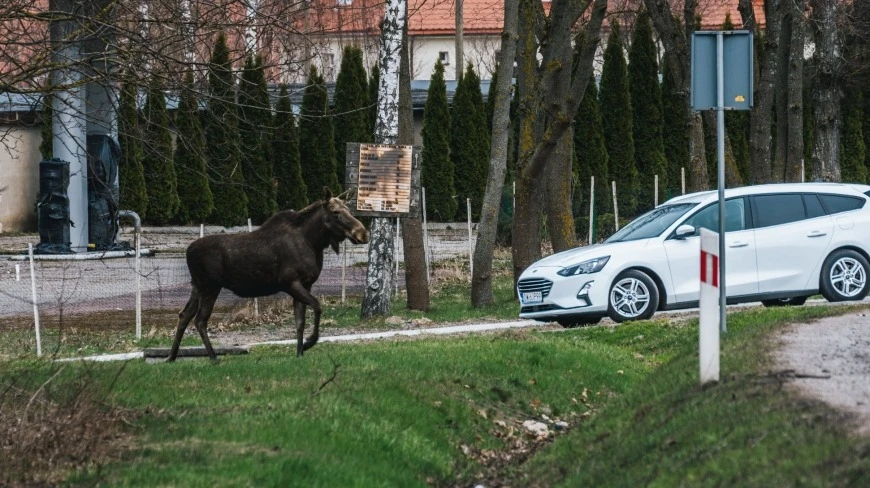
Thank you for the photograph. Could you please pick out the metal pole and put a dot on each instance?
(720, 149)
(33, 295)
(256, 304)
(470, 246)
(425, 234)
(591, 207)
(656, 191)
(396, 276)
(137, 232)
(615, 208)
(201, 230)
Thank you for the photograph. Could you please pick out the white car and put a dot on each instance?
(783, 243)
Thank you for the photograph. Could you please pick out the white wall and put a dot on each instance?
(19, 177)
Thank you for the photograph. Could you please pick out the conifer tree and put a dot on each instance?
(469, 143)
(374, 82)
(197, 201)
(675, 134)
(852, 148)
(223, 142)
(131, 174)
(160, 176)
(490, 100)
(647, 118)
(616, 122)
(437, 172)
(316, 140)
(255, 129)
(350, 104)
(865, 96)
(590, 156)
(291, 192)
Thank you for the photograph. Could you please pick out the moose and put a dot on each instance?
(284, 254)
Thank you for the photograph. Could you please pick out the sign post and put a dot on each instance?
(709, 306)
(722, 63)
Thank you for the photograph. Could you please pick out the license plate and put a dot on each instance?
(532, 297)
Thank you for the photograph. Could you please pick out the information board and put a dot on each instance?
(386, 179)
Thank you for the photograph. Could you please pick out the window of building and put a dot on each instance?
(329, 67)
(344, 3)
(444, 57)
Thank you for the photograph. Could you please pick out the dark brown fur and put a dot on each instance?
(284, 254)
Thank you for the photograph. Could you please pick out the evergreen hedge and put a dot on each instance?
(160, 176)
(437, 171)
(374, 82)
(316, 139)
(647, 118)
(469, 144)
(223, 141)
(590, 159)
(852, 148)
(255, 129)
(292, 192)
(131, 174)
(350, 104)
(675, 134)
(616, 122)
(196, 198)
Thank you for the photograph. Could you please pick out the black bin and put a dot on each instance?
(53, 207)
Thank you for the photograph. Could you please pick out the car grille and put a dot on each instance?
(535, 284)
(539, 308)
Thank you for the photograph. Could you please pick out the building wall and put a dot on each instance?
(19, 177)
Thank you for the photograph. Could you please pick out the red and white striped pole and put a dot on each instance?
(709, 306)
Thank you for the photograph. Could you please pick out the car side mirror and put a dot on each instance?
(684, 231)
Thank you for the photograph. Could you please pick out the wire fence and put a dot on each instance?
(104, 289)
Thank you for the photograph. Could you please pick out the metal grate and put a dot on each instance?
(535, 284)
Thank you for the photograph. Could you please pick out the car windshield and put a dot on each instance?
(652, 223)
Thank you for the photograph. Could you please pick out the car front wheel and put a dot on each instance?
(633, 296)
(844, 276)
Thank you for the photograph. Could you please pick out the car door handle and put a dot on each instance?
(816, 233)
(738, 244)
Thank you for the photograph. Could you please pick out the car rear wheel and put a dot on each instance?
(572, 322)
(782, 302)
(633, 296)
(844, 276)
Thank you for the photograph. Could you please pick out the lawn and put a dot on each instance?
(449, 412)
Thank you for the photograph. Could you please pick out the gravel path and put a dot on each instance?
(830, 359)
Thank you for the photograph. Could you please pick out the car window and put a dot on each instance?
(841, 203)
(778, 209)
(652, 223)
(708, 218)
(813, 206)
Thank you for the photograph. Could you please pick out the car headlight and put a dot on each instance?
(586, 267)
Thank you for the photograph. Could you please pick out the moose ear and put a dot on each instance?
(327, 193)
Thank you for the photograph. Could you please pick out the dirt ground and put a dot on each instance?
(829, 360)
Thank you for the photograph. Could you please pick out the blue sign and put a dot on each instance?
(737, 75)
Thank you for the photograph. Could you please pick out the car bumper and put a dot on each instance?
(563, 296)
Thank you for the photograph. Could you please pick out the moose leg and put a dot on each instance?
(206, 304)
(301, 294)
(184, 317)
(299, 312)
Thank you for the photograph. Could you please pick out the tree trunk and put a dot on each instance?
(794, 164)
(677, 42)
(780, 97)
(460, 47)
(732, 174)
(416, 280)
(481, 281)
(560, 221)
(759, 131)
(379, 275)
(827, 91)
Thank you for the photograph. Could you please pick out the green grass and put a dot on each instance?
(114, 332)
(398, 413)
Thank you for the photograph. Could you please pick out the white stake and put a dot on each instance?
(396, 276)
(33, 294)
(17, 272)
(137, 239)
(656, 191)
(709, 307)
(201, 230)
(470, 245)
(425, 234)
(256, 303)
(615, 207)
(343, 267)
(591, 207)
(683, 179)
